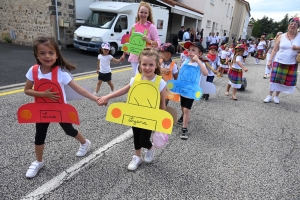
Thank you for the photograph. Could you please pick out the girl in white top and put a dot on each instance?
(149, 67)
(284, 68)
(235, 74)
(262, 45)
(225, 56)
(48, 57)
(103, 67)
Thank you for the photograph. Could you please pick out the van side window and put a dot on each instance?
(122, 21)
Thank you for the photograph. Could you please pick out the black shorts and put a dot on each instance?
(186, 102)
(104, 77)
(244, 57)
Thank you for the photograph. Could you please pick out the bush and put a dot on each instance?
(7, 39)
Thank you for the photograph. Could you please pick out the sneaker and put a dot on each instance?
(276, 99)
(83, 149)
(149, 155)
(265, 76)
(268, 99)
(184, 134)
(180, 120)
(111, 91)
(34, 169)
(95, 93)
(134, 163)
(206, 97)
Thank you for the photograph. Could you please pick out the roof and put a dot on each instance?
(247, 4)
(175, 3)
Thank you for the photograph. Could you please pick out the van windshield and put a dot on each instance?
(101, 19)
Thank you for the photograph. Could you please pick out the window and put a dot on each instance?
(231, 12)
(122, 21)
(101, 19)
(208, 24)
(216, 26)
(212, 2)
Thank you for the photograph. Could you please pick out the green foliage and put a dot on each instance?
(268, 26)
(7, 39)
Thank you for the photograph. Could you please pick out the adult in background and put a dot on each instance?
(261, 47)
(193, 35)
(144, 18)
(187, 35)
(208, 41)
(180, 39)
(269, 51)
(224, 39)
(213, 40)
(218, 38)
(284, 68)
(201, 35)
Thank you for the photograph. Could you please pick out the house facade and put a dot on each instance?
(25, 20)
(240, 21)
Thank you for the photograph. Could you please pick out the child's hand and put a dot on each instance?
(102, 101)
(97, 71)
(165, 71)
(51, 95)
(195, 58)
(245, 69)
(121, 59)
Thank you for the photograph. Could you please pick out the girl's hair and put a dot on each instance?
(149, 52)
(100, 51)
(237, 52)
(50, 42)
(147, 5)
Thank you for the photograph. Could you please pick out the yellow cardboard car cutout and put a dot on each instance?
(142, 108)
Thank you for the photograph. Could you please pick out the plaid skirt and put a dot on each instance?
(259, 53)
(284, 74)
(235, 75)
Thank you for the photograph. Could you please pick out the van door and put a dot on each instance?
(119, 29)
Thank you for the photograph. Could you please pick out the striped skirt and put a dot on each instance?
(235, 77)
(259, 53)
(284, 74)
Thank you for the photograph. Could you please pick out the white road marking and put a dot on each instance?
(67, 174)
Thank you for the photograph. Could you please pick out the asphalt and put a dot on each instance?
(244, 149)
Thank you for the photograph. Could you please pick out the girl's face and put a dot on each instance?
(148, 66)
(46, 55)
(193, 50)
(143, 13)
(105, 51)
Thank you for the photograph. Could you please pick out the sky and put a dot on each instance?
(275, 9)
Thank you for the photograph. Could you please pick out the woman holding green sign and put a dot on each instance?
(145, 24)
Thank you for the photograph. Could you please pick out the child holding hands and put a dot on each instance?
(103, 67)
(149, 68)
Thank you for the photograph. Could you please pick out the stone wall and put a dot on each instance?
(33, 18)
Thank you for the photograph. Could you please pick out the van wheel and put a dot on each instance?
(113, 49)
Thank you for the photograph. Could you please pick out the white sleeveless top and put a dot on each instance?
(285, 54)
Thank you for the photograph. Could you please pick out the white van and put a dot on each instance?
(109, 21)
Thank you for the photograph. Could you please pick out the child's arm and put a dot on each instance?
(104, 99)
(242, 66)
(47, 93)
(80, 90)
(98, 66)
(203, 68)
(163, 99)
(117, 60)
(175, 76)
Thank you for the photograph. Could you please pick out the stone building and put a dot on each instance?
(24, 20)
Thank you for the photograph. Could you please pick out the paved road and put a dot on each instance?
(15, 60)
(243, 149)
